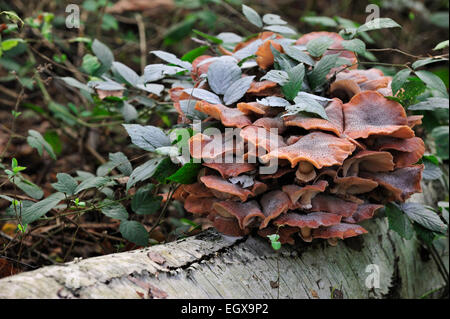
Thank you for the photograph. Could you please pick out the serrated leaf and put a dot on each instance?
(221, 74)
(134, 231)
(171, 58)
(65, 184)
(248, 50)
(318, 76)
(39, 209)
(441, 139)
(293, 86)
(188, 108)
(274, 101)
(307, 105)
(252, 16)
(298, 55)
(317, 47)
(187, 174)
(430, 104)
(126, 73)
(113, 209)
(36, 140)
(424, 216)
(144, 203)
(425, 235)
(280, 29)
(229, 37)
(355, 45)
(143, 172)
(277, 76)
(147, 137)
(378, 23)
(399, 79)
(151, 88)
(205, 95)
(431, 171)
(237, 90)
(93, 182)
(432, 81)
(398, 221)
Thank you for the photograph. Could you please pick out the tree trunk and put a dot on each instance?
(211, 265)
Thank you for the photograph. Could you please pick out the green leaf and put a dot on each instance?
(143, 172)
(53, 139)
(36, 140)
(277, 76)
(323, 21)
(298, 55)
(430, 104)
(398, 221)
(378, 23)
(135, 232)
(425, 235)
(144, 203)
(425, 216)
(354, 45)
(252, 16)
(431, 171)
(276, 245)
(128, 111)
(423, 62)
(221, 74)
(318, 76)
(441, 45)
(164, 169)
(39, 209)
(147, 137)
(187, 174)
(317, 47)
(441, 137)
(237, 90)
(10, 43)
(28, 187)
(270, 18)
(65, 184)
(432, 81)
(126, 73)
(104, 54)
(307, 105)
(114, 210)
(171, 58)
(93, 182)
(399, 79)
(195, 53)
(90, 64)
(121, 162)
(211, 38)
(280, 29)
(293, 86)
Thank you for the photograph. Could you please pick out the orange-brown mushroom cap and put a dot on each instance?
(405, 151)
(372, 161)
(303, 195)
(400, 184)
(333, 204)
(224, 189)
(365, 211)
(245, 213)
(273, 204)
(229, 226)
(264, 55)
(335, 123)
(319, 149)
(227, 115)
(341, 231)
(370, 113)
(311, 220)
(231, 169)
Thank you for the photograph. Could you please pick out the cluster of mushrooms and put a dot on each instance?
(332, 174)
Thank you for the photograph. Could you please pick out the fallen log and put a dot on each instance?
(379, 264)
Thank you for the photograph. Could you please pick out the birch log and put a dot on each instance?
(211, 265)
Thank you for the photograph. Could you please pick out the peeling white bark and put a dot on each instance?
(210, 265)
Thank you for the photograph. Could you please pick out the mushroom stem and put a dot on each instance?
(305, 172)
(305, 233)
(332, 241)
